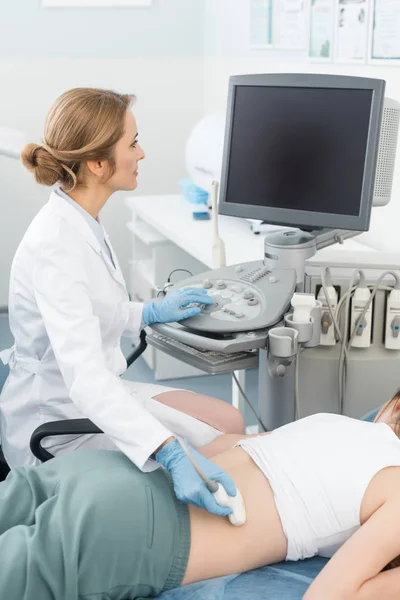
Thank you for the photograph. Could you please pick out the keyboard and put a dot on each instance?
(207, 360)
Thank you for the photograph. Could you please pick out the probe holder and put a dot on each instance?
(283, 342)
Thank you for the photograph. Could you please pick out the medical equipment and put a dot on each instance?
(392, 330)
(218, 249)
(238, 515)
(211, 361)
(361, 318)
(173, 457)
(314, 152)
(329, 300)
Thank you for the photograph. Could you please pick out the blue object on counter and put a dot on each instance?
(196, 196)
(201, 215)
(193, 193)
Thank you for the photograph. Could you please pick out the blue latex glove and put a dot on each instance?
(170, 308)
(188, 485)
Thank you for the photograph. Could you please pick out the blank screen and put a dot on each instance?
(299, 148)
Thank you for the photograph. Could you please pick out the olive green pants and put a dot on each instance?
(90, 525)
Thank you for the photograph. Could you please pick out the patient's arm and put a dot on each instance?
(354, 572)
(225, 442)
(385, 585)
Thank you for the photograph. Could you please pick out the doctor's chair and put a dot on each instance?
(4, 469)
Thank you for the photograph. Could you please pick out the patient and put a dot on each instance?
(91, 525)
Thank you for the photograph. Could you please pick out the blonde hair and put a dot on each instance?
(83, 124)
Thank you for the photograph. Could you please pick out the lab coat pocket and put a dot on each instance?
(150, 516)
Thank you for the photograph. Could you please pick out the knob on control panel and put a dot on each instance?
(252, 301)
(238, 289)
(207, 284)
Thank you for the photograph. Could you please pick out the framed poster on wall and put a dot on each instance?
(290, 24)
(260, 24)
(320, 44)
(385, 33)
(351, 31)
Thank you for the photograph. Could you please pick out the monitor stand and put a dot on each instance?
(290, 248)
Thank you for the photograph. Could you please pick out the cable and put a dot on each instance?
(169, 284)
(332, 315)
(296, 386)
(176, 271)
(344, 349)
(210, 483)
(248, 402)
(335, 321)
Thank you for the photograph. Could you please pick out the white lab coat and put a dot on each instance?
(68, 307)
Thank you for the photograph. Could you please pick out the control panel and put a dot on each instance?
(248, 296)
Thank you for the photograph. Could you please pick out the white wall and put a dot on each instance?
(227, 49)
(148, 52)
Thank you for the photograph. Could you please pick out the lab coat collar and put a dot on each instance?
(67, 212)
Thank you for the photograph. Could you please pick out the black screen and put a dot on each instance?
(299, 148)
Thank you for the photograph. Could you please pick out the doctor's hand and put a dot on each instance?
(172, 307)
(188, 485)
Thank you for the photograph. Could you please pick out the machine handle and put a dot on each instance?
(238, 341)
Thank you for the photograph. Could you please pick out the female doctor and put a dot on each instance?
(68, 305)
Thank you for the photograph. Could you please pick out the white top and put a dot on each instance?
(319, 469)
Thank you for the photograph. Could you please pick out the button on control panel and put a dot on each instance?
(232, 301)
(248, 294)
(255, 275)
(245, 296)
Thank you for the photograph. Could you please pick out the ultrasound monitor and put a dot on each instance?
(301, 149)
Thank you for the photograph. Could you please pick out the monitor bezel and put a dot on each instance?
(308, 219)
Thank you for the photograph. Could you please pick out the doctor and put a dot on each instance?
(69, 307)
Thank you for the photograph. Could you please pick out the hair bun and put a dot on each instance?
(45, 167)
(28, 156)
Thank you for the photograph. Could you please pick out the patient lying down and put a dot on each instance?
(91, 525)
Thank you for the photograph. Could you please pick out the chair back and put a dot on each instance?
(4, 468)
